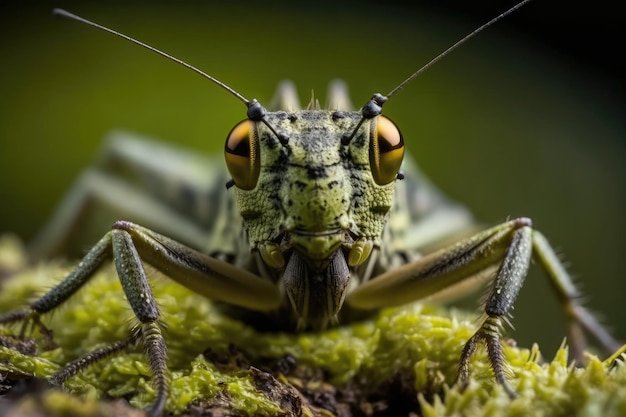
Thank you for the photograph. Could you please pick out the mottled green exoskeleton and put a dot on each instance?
(324, 220)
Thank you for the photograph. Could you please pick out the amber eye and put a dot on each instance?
(386, 151)
(242, 155)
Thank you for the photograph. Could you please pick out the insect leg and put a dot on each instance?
(578, 317)
(207, 276)
(118, 244)
(75, 366)
(203, 274)
(501, 255)
(444, 271)
(508, 244)
(59, 294)
(338, 96)
(139, 295)
(130, 245)
(155, 184)
(285, 98)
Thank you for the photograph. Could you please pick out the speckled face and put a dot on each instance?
(314, 191)
(304, 200)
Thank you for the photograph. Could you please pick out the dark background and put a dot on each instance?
(526, 119)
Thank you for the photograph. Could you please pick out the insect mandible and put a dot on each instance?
(315, 220)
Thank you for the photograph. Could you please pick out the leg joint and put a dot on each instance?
(522, 222)
(123, 225)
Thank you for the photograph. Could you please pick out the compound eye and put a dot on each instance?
(386, 151)
(242, 155)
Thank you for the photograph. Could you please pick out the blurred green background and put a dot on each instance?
(514, 123)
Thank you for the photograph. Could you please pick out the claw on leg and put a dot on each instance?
(489, 333)
(29, 317)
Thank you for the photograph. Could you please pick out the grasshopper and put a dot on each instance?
(310, 233)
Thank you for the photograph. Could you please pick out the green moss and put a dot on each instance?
(412, 351)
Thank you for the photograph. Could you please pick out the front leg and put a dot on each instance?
(129, 245)
(502, 255)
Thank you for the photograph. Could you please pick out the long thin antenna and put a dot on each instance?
(66, 14)
(256, 112)
(374, 107)
(456, 45)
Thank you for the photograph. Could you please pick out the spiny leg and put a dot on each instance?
(117, 244)
(64, 290)
(139, 295)
(507, 249)
(203, 274)
(578, 317)
(125, 243)
(489, 333)
(499, 303)
(500, 300)
(77, 365)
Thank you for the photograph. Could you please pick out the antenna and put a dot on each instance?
(68, 15)
(374, 106)
(256, 112)
(455, 46)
